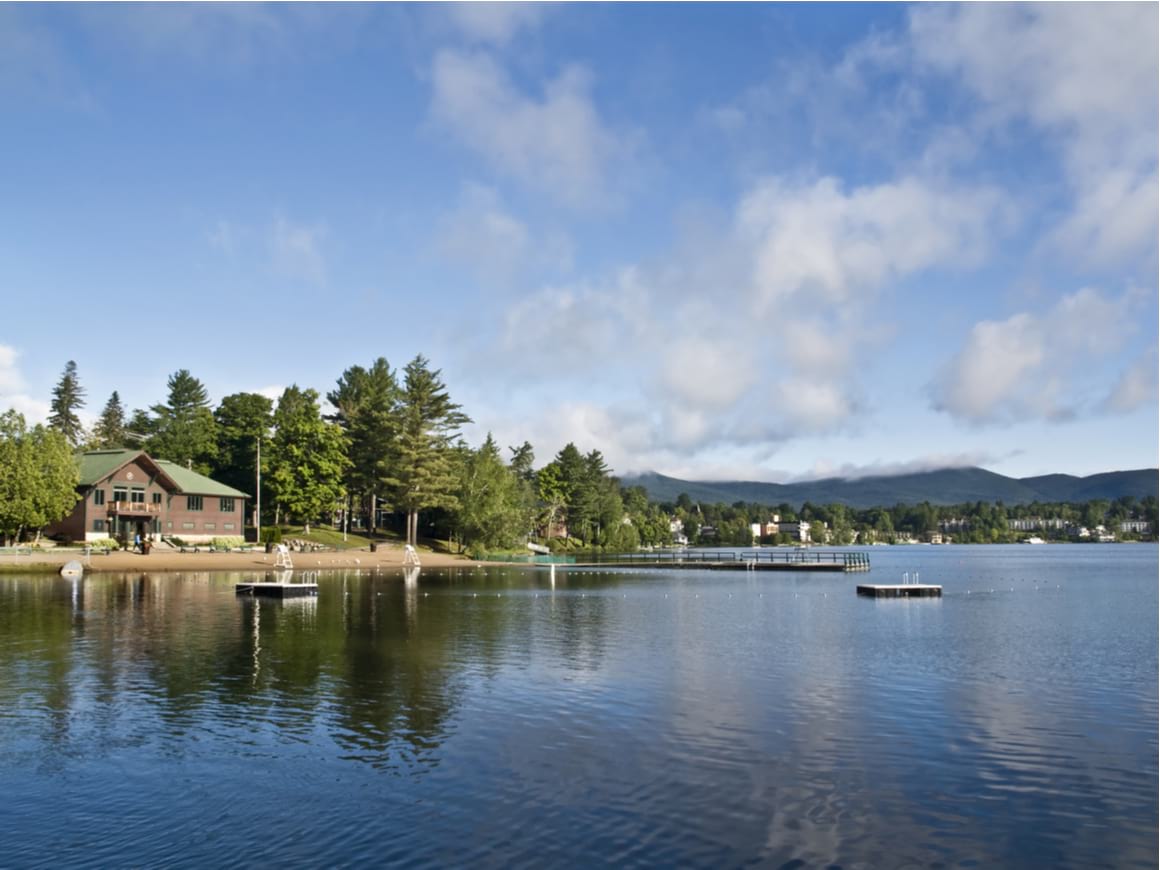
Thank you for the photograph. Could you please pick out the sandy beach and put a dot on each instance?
(171, 560)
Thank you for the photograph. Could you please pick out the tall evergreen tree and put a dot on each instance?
(366, 401)
(67, 397)
(422, 473)
(184, 427)
(109, 430)
(307, 458)
(242, 419)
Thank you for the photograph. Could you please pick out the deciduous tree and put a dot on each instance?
(307, 458)
(39, 473)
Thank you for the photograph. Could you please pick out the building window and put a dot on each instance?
(193, 502)
(226, 505)
(120, 493)
(229, 527)
(137, 496)
(187, 525)
(156, 498)
(209, 527)
(98, 525)
(98, 499)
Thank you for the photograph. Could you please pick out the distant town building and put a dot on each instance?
(798, 531)
(1138, 527)
(1032, 524)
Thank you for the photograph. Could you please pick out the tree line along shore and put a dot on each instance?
(387, 456)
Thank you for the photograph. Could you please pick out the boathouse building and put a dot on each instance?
(128, 492)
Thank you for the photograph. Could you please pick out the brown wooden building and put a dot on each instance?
(127, 492)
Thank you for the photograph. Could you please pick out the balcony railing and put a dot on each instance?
(133, 507)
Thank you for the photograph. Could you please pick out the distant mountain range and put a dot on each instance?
(945, 486)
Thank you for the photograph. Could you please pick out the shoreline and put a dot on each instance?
(167, 561)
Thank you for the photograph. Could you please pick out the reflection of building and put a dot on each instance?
(127, 492)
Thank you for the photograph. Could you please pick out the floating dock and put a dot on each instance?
(900, 590)
(276, 590)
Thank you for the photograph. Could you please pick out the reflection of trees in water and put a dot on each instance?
(395, 676)
(373, 663)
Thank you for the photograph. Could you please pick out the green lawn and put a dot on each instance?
(331, 537)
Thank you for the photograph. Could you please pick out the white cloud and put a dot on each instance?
(1085, 74)
(556, 143)
(296, 250)
(1034, 366)
(1137, 385)
(10, 378)
(224, 36)
(273, 392)
(745, 338)
(35, 65)
(706, 372)
(823, 469)
(13, 386)
(494, 23)
(483, 235)
(226, 237)
(817, 240)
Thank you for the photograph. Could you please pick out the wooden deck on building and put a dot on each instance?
(902, 590)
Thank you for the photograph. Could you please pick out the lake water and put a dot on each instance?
(480, 717)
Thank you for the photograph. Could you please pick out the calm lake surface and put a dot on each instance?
(636, 718)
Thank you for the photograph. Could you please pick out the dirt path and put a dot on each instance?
(168, 560)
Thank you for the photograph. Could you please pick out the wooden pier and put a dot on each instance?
(900, 590)
(276, 590)
(716, 560)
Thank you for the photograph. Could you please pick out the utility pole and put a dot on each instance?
(258, 497)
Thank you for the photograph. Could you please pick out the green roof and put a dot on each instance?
(96, 465)
(198, 484)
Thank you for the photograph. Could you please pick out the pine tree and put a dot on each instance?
(307, 458)
(367, 402)
(109, 430)
(67, 396)
(422, 473)
(241, 418)
(184, 428)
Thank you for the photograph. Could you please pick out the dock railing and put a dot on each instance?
(852, 561)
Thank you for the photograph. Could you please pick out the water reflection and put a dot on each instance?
(688, 719)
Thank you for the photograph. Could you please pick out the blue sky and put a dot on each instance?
(751, 241)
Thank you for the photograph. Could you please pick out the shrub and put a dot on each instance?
(104, 543)
(227, 542)
(272, 535)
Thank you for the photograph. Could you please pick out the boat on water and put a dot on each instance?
(1035, 540)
